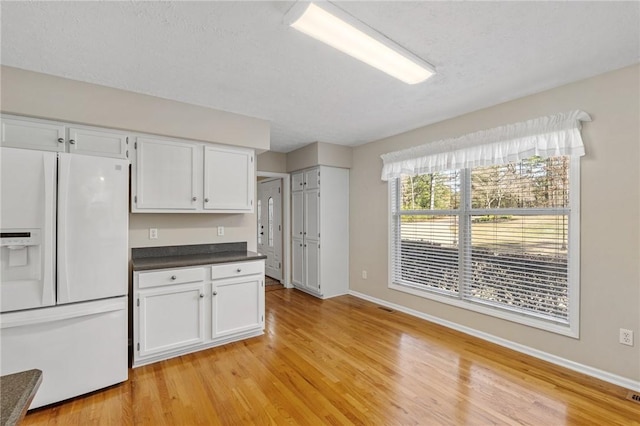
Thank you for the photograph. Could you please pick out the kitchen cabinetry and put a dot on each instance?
(320, 231)
(229, 179)
(172, 176)
(165, 176)
(183, 310)
(237, 302)
(46, 135)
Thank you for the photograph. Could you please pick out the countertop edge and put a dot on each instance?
(19, 403)
(146, 264)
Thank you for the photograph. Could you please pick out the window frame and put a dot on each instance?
(570, 329)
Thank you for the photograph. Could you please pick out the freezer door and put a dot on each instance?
(80, 348)
(92, 227)
(27, 224)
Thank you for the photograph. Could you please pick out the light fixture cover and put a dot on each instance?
(333, 26)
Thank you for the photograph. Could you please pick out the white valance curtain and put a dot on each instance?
(548, 136)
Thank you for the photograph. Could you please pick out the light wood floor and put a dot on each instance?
(347, 361)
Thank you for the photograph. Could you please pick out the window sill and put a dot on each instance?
(565, 330)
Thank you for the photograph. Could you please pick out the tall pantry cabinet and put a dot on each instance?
(320, 231)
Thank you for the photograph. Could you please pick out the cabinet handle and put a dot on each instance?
(72, 142)
(173, 277)
(305, 233)
(238, 270)
(300, 245)
(201, 295)
(215, 293)
(305, 245)
(60, 140)
(194, 198)
(206, 200)
(300, 232)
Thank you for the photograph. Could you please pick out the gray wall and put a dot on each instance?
(320, 153)
(610, 236)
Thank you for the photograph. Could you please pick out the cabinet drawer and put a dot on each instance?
(170, 276)
(230, 270)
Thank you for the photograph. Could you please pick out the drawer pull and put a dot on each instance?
(173, 277)
(238, 270)
(215, 293)
(201, 295)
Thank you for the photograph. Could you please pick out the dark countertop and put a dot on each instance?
(144, 259)
(16, 393)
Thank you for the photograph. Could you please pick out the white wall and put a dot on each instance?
(610, 211)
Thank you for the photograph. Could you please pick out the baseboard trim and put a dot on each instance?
(545, 356)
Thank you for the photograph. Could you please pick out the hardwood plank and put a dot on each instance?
(346, 361)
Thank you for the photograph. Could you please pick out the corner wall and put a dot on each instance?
(610, 228)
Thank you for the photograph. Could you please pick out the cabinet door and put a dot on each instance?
(229, 179)
(237, 305)
(312, 214)
(312, 179)
(98, 142)
(312, 265)
(33, 134)
(165, 174)
(170, 318)
(297, 214)
(297, 262)
(297, 181)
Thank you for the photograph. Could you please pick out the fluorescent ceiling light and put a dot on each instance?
(333, 26)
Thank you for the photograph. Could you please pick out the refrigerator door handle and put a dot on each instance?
(49, 181)
(63, 204)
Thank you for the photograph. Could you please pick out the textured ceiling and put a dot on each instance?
(239, 57)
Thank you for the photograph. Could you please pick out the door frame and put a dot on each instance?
(286, 223)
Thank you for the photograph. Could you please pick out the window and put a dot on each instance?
(501, 238)
(270, 221)
(260, 226)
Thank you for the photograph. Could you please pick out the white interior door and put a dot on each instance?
(270, 226)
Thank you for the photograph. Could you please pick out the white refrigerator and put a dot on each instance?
(64, 270)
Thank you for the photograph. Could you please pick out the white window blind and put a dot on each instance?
(500, 239)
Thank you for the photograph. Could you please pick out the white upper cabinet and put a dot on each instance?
(44, 135)
(98, 142)
(33, 134)
(165, 176)
(171, 176)
(228, 179)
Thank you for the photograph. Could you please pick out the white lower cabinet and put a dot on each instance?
(237, 306)
(183, 310)
(182, 328)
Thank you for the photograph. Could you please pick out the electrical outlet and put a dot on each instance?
(220, 231)
(364, 274)
(153, 233)
(626, 337)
